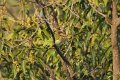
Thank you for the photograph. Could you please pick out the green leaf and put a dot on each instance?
(24, 66)
(9, 36)
(105, 2)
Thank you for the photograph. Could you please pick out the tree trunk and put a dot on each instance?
(115, 50)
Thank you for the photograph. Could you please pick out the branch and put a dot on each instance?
(7, 9)
(52, 34)
(108, 21)
(55, 17)
(61, 54)
(94, 7)
(64, 59)
(117, 21)
(11, 14)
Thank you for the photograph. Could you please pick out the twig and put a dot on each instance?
(26, 40)
(47, 67)
(107, 19)
(74, 13)
(11, 13)
(94, 7)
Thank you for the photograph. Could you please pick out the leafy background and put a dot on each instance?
(26, 47)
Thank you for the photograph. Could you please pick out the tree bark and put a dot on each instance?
(114, 41)
(115, 52)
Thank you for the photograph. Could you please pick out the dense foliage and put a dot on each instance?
(26, 43)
